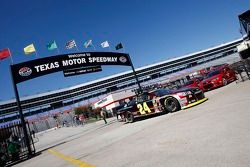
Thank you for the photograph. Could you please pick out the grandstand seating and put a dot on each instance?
(94, 89)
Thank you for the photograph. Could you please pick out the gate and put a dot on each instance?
(13, 146)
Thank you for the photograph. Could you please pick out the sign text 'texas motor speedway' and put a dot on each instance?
(35, 68)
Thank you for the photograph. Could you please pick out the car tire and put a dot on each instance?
(224, 81)
(171, 104)
(130, 117)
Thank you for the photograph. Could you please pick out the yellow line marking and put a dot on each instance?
(195, 103)
(70, 159)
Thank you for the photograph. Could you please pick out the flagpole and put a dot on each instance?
(77, 48)
(123, 48)
(57, 47)
(36, 54)
(93, 46)
(57, 50)
(11, 57)
(35, 50)
(109, 47)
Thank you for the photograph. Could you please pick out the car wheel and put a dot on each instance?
(130, 117)
(224, 81)
(171, 104)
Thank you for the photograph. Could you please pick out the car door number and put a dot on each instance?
(143, 108)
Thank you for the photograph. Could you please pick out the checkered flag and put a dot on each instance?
(70, 44)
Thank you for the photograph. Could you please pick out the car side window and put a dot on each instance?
(145, 97)
(224, 70)
(131, 102)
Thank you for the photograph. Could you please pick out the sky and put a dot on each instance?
(150, 31)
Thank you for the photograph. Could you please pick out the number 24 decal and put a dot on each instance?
(143, 108)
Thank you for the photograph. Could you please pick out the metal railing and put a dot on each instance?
(13, 146)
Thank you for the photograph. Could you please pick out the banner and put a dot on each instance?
(118, 46)
(87, 43)
(70, 44)
(29, 49)
(4, 53)
(51, 45)
(43, 66)
(82, 70)
(105, 44)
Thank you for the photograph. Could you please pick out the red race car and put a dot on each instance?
(220, 76)
(195, 82)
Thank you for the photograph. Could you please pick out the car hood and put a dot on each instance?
(211, 78)
(190, 85)
(125, 108)
(184, 89)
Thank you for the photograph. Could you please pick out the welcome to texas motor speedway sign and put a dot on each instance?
(43, 66)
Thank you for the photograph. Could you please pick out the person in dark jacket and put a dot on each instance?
(14, 148)
(104, 115)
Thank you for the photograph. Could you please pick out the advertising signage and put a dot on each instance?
(73, 62)
(43, 66)
(82, 70)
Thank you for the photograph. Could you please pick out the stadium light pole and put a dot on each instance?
(25, 131)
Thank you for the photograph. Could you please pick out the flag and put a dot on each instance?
(4, 53)
(29, 49)
(105, 44)
(70, 44)
(118, 46)
(51, 45)
(88, 43)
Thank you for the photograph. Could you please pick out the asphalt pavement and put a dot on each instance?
(214, 133)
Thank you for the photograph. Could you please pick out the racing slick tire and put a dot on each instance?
(130, 117)
(171, 104)
(224, 81)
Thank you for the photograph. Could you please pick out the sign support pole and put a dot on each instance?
(136, 77)
(25, 131)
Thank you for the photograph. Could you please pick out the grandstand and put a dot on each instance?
(68, 96)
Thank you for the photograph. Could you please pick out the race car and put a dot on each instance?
(194, 82)
(161, 100)
(220, 76)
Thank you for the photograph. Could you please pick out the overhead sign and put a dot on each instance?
(82, 70)
(43, 66)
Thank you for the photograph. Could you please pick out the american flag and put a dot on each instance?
(70, 44)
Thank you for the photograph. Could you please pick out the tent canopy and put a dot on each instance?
(244, 19)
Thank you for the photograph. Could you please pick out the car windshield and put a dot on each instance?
(188, 83)
(200, 78)
(130, 103)
(162, 92)
(213, 73)
(143, 97)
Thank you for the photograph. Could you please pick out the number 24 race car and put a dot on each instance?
(161, 100)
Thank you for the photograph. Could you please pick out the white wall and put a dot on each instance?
(110, 101)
